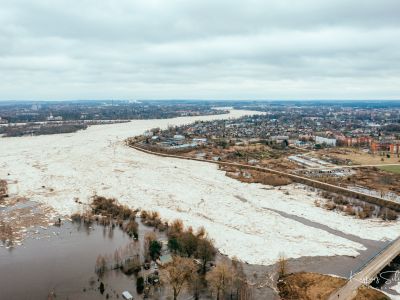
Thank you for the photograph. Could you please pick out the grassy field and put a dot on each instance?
(393, 169)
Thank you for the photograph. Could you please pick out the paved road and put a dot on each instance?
(367, 274)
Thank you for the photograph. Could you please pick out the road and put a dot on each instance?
(305, 180)
(346, 166)
(367, 274)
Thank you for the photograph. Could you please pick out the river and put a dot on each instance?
(63, 171)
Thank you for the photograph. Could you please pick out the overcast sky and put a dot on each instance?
(204, 49)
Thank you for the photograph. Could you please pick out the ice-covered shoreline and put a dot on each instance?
(58, 169)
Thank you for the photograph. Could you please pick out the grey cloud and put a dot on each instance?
(195, 49)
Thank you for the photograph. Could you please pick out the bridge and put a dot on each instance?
(368, 272)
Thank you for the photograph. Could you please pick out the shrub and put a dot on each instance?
(339, 200)
(110, 207)
(175, 229)
(76, 218)
(143, 214)
(388, 214)
(349, 210)
(101, 288)
(155, 249)
(140, 285)
(131, 265)
(188, 243)
(132, 229)
(329, 205)
(368, 210)
(269, 179)
(153, 219)
(101, 265)
(363, 215)
(173, 244)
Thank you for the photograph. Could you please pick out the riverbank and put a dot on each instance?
(64, 171)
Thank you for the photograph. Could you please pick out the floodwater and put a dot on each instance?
(63, 261)
(388, 278)
(61, 169)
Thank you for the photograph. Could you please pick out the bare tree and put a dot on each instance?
(206, 252)
(148, 238)
(101, 265)
(6, 234)
(178, 273)
(220, 279)
(117, 258)
(196, 283)
(201, 232)
(188, 242)
(175, 228)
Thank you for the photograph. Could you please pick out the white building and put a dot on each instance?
(52, 118)
(178, 137)
(323, 140)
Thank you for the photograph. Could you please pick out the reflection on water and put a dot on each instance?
(62, 261)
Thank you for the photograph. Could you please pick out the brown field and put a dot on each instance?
(373, 178)
(313, 286)
(362, 158)
(252, 176)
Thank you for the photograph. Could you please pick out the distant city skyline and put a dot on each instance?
(201, 50)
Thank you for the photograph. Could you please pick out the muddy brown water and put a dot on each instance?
(63, 260)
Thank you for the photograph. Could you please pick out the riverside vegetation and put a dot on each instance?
(191, 268)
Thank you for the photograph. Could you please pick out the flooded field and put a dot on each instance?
(61, 261)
